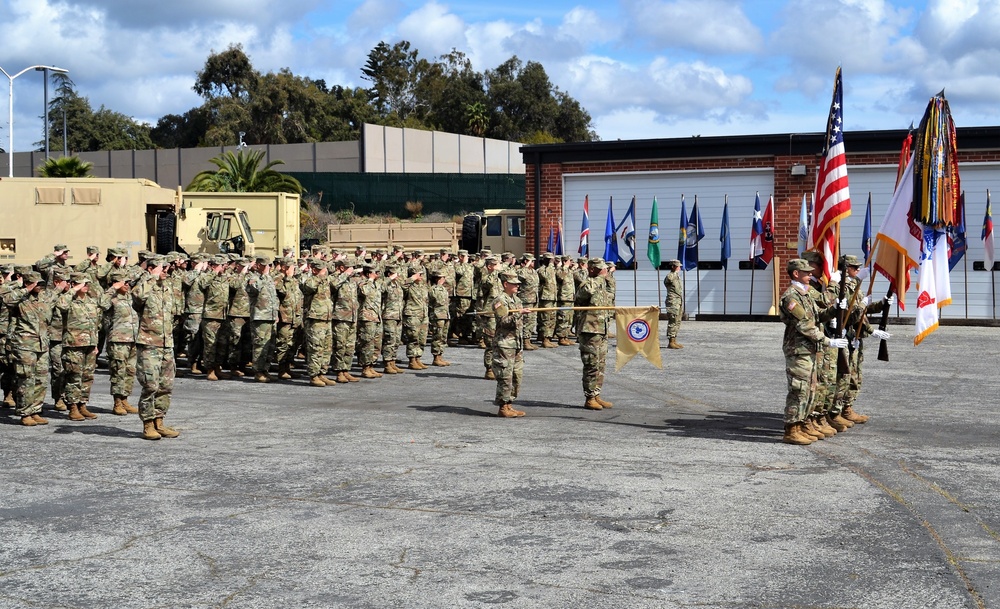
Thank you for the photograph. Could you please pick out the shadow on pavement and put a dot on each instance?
(98, 430)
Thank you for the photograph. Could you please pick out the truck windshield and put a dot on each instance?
(515, 226)
(246, 226)
(214, 226)
(494, 226)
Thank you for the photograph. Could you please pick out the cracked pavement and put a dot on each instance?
(406, 491)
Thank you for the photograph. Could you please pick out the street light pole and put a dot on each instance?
(45, 98)
(10, 111)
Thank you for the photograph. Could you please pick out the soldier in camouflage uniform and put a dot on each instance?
(59, 277)
(8, 281)
(527, 292)
(461, 304)
(674, 303)
(345, 322)
(153, 299)
(392, 319)
(194, 304)
(565, 294)
(508, 356)
(215, 286)
(89, 265)
(489, 289)
(369, 321)
(548, 290)
(237, 329)
(53, 263)
(803, 339)
(592, 332)
(818, 423)
(317, 307)
(263, 316)
(288, 335)
(439, 303)
(82, 313)
(30, 310)
(123, 327)
(415, 319)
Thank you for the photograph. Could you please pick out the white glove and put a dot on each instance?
(855, 344)
(843, 303)
(867, 300)
(835, 277)
(881, 334)
(833, 323)
(864, 273)
(837, 343)
(890, 300)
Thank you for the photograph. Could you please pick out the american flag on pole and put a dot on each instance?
(833, 198)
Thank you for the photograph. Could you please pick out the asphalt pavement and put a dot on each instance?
(406, 491)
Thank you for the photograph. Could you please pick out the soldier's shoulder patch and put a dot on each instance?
(497, 304)
(794, 308)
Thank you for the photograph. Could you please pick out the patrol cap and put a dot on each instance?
(418, 252)
(851, 260)
(527, 256)
(398, 248)
(31, 277)
(316, 248)
(435, 275)
(812, 257)
(79, 278)
(581, 260)
(567, 258)
(263, 259)
(596, 263)
(444, 250)
(303, 253)
(93, 249)
(317, 264)
(60, 275)
(799, 264)
(548, 255)
(463, 252)
(507, 255)
(674, 262)
(22, 269)
(60, 247)
(389, 270)
(485, 251)
(509, 278)
(118, 252)
(491, 260)
(379, 252)
(219, 260)
(6, 269)
(156, 261)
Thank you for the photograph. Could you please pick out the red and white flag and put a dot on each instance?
(832, 198)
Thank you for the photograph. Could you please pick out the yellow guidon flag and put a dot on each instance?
(638, 333)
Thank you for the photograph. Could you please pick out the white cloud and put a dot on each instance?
(708, 26)
(432, 30)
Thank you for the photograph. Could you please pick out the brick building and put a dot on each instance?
(733, 169)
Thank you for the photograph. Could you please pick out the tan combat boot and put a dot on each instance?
(413, 364)
(808, 428)
(369, 373)
(119, 408)
(565, 342)
(39, 419)
(604, 403)
(195, 369)
(212, 376)
(530, 346)
(838, 422)
(86, 413)
(854, 417)
(592, 404)
(317, 381)
(673, 344)
(824, 427)
(262, 377)
(8, 399)
(61, 405)
(329, 382)
(489, 375)
(350, 377)
(548, 344)
(508, 412)
(28, 421)
(396, 367)
(285, 372)
(129, 408)
(163, 430)
(440, 361)
(149, 431)
(387, 368)
(793, 435)
(74, 413)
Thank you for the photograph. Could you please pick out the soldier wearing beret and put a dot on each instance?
(674, 304)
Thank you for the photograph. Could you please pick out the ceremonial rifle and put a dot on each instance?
(843, 361)
(883, 346)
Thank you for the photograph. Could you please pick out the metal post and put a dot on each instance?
(45, 75)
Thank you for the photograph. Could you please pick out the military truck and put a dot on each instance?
(37, 213)
(501, 230)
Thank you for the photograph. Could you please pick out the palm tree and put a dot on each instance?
(65, 167)
(241, 172)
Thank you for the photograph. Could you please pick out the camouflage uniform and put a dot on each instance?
(674, 303)
(236, 329)
(392, 318)
(565, 295)
(28, 342)
(154, 302)
(592, 331)
(317, 312)
(858, 329)
(215, 287)
(462, 303)
(548, 293)
(527, 293)
(802, 340)
(369, 322)
(489, 289)
(414, 317)
(194, 304)
(288, 336)
(439, 302)
(57, 373)
(263, 315)
(507, 347)
(82, 313)
(345, 322)
(122, 331)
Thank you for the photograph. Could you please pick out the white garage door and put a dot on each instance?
(706, 291)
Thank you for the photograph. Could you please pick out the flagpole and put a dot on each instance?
(635, 281)
(753, 271)
(725, 267)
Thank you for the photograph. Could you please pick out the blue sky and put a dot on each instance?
(642, 68)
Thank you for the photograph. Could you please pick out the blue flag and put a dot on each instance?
(866, 234)
(695, 233)
(610, 239)
(682, 235)
(626, 231)
(558, 239)
(551, 245)
(727, 245)
(957, 243)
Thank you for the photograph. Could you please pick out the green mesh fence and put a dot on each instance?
(387, 193)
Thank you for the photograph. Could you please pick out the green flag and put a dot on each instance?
(653, 249)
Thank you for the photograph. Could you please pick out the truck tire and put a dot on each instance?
(471, 229)
(166, 232)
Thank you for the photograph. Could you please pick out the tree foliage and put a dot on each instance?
(514, 101)
(241, 172)
(65, 167)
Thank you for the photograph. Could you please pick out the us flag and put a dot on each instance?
(833, 198)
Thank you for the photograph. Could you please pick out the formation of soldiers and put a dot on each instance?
(226, 316)
(822, 324)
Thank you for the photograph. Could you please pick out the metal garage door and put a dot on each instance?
(706, 291)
